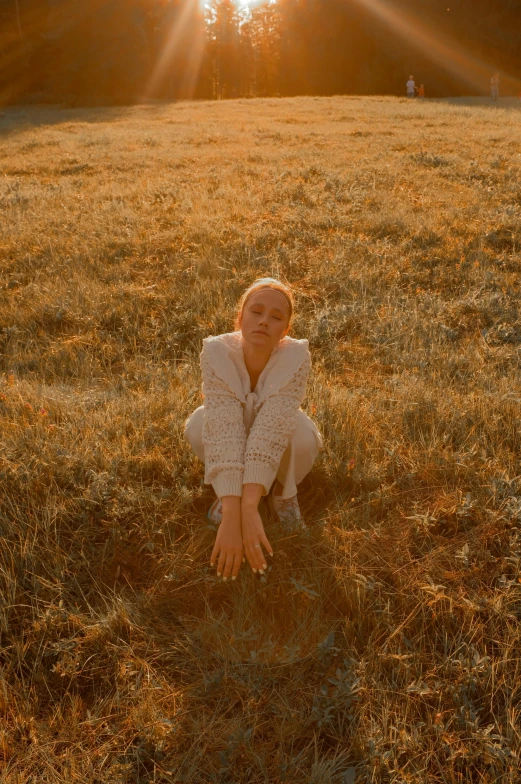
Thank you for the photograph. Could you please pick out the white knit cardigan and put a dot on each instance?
(245, 432)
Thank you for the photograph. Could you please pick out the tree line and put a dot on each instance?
(122, 51)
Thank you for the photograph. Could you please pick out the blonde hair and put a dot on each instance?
(258, 285)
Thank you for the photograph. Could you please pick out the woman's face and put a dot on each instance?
(265, 319)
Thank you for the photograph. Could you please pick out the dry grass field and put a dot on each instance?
(385, 647)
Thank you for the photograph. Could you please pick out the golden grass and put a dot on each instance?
(387, 646)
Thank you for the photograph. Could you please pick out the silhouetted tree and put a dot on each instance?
(223, 48)
(265, 35)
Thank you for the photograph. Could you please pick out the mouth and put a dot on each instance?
(260, 332)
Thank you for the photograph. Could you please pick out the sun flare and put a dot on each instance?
(241, 4)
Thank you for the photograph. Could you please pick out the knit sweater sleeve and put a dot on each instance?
(224, 434)
(272, 428)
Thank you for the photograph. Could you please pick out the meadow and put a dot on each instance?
(384, 648)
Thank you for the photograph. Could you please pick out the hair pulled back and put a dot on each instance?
(258, 285)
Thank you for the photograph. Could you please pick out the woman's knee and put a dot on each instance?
(305, 439)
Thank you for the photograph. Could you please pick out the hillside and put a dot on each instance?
(387, 641)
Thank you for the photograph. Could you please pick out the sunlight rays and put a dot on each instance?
(242, 5)
(179, 38)
(450, 54)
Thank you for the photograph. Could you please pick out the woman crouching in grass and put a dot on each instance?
(251, 433)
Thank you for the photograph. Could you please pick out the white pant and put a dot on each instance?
(297, 460)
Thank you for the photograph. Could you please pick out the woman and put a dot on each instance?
(251, 433)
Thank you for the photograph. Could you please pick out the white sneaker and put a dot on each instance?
(215, 512)
(287, 512)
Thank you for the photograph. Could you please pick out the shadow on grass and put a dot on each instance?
(263, 657)
(21, 118)
(480, 101)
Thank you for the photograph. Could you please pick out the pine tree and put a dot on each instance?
(223, 48)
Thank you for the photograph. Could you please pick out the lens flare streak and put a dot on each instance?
(176, 40)
(443, 48)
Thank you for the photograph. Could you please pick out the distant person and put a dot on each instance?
(494, 87)
(421, 91)
(411, 87)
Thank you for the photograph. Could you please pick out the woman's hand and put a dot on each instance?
(253, 536)
(228, 548)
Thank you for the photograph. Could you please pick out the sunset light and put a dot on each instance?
(242, 4)
(260, 330)
(452, 56)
